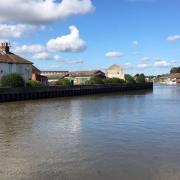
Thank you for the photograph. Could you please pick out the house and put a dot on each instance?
(81, 77)
(36, 75)
(115, 71)
(53, 76)
(12, 63)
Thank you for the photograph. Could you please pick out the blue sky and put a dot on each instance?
(140, 35)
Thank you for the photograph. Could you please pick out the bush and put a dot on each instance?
(175, 70)
(129, 79)
(140, 78)
(33, 83)
(12, 80)
(64, 82)
(95, 80)
(114, 81)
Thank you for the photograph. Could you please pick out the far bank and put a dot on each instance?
(20, 94)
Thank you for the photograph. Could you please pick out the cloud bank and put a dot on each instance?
(42, 11)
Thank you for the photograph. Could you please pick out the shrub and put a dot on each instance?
(95, 80)
(64, 82)
(114, 81)
(175, 70)
(12, 80)
(140, 78)
(129, 79)
(33, 83)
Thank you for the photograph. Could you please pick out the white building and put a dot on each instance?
(115, 71)
(12, 63)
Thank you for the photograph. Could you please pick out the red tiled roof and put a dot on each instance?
(13, 58)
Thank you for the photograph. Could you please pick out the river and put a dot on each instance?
(120, 136)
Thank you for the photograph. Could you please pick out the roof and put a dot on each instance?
(175, 75)
(13, 58)
(53, 72)
(40, 77)
(87, 73)
(115, 67)
(35, 70)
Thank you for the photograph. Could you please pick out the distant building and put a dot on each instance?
(12, 63)
(36, 75)
(81, 77)
(53, 76)
(115, 71)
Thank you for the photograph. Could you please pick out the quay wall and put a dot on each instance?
(19, 94)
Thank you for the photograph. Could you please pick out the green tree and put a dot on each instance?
(64, 82)
(129, 79)
(12, 80)
(140, 78)
(175, 70)
(114, 81)
(33, 83)
(95, 80)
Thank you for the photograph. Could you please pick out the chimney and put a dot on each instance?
(5, 47)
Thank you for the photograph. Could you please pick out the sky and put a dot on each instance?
(142, 36)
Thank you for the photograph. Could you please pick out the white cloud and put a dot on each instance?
(114, 54)
(67, 43)
(136, 43)
(173, 37)
(29, 49)
(162, 64)
(143, 65)
(74, 62)
(146, 58)
(42, 11)
(57, 58)
(47, 56)
(136, 53)
(42, 56)
(16, 31)
(157, 59)
(128, 65)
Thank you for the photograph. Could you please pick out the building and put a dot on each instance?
(36, 76)
(12, 63)
(53, 76)
(115, 71)
(81, 77)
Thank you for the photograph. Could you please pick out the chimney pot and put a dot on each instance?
(5, 47)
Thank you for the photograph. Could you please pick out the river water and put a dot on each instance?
(129, 136)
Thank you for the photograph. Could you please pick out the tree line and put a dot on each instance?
(175, 70)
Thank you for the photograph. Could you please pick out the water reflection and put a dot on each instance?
(132, 135)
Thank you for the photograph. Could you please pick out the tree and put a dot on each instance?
(140, 78)
(114, 81)
(12, 80)
(64, 82)
(175, 70)
(129, 79)
(95, 80)
(33, 83)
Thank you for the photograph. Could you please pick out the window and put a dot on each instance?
(10, 68)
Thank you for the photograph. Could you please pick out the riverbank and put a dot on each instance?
(19, 94)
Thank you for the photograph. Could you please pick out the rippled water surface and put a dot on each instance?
(131, 136)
